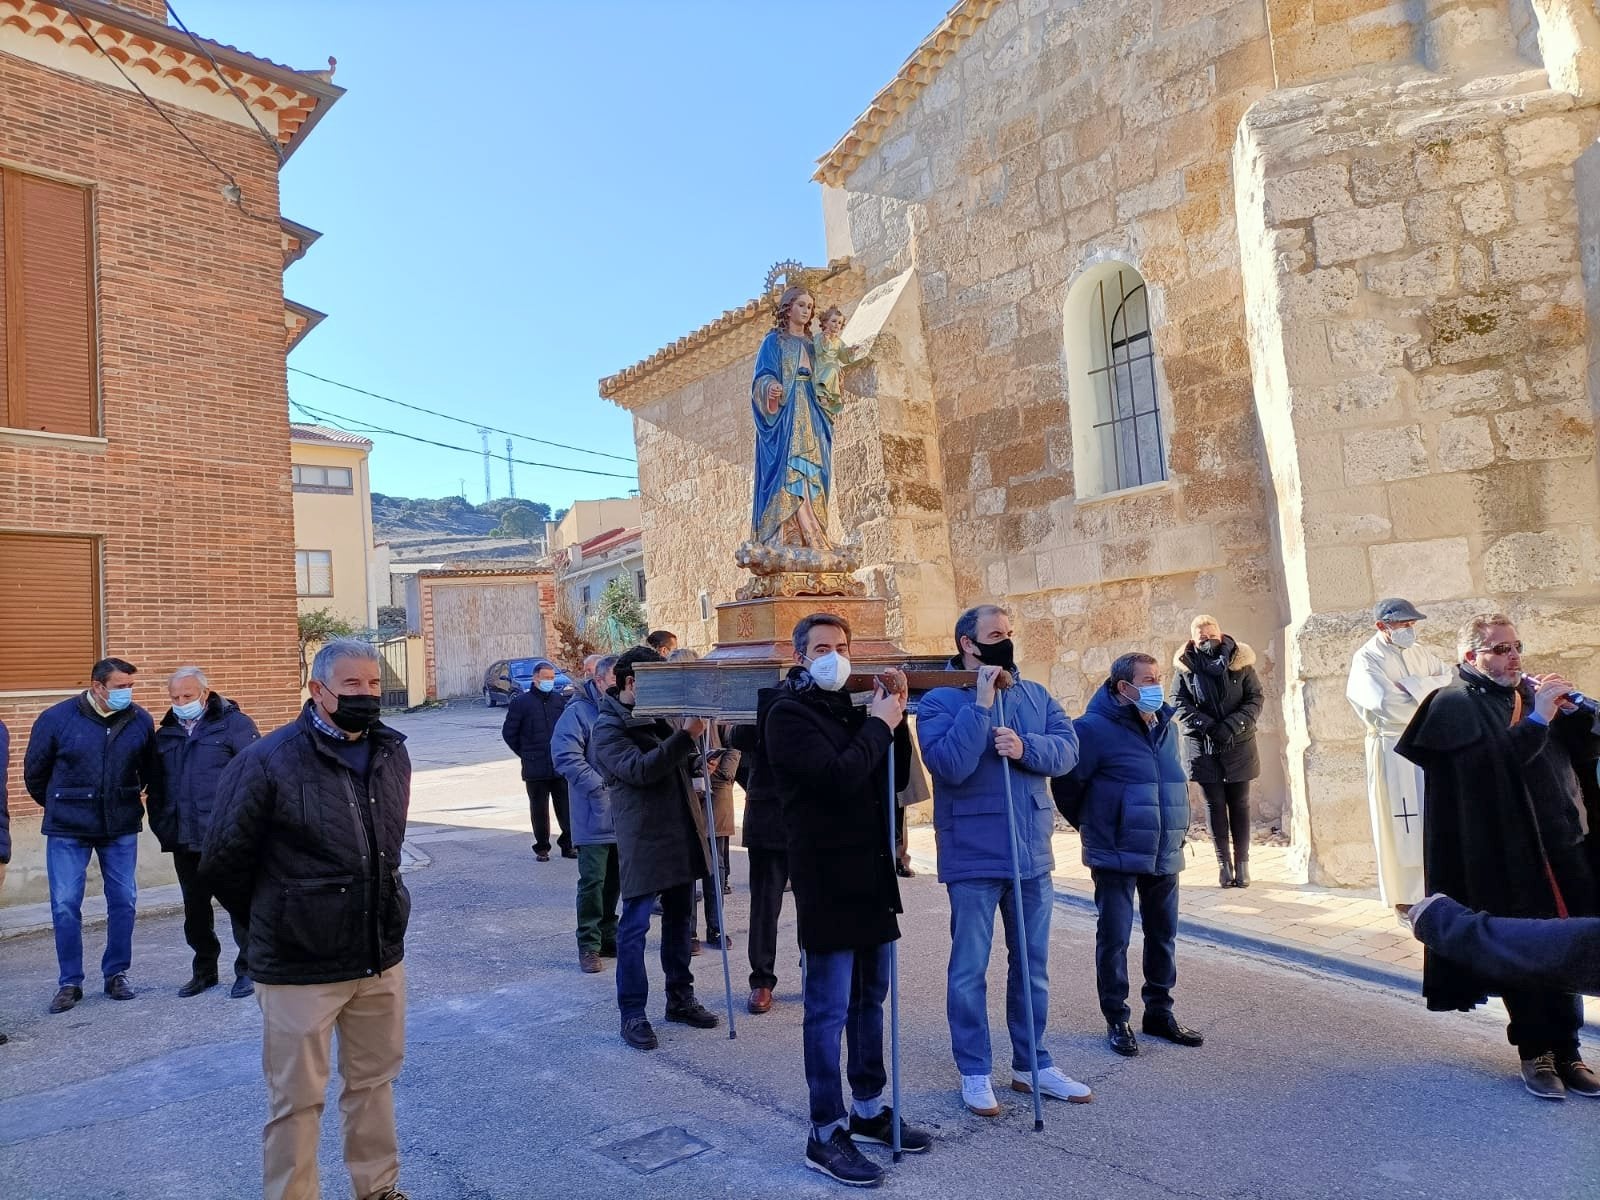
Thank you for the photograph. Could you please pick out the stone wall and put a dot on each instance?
(1421, 344)
(1056, 138)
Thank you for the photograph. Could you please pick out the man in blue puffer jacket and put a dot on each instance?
(1128, 797)
(571, 750)
(963, 740)
(88, 760)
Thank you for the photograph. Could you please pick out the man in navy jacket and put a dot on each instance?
(201, 734)
(530, 724)
(88, 760)
(1128, 796)
(964, 741)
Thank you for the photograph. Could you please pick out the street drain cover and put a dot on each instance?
(659, 1148)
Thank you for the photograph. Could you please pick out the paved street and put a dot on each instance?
(517, 1085)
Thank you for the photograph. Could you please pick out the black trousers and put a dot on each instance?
(769, 873)
(199, 928)
(541, 794)
(1542, 1022)
(1158, 913)
(1228, 806)
(707, 897)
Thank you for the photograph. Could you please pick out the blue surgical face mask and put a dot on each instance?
(188, 712)
(1151, 698)
(118, 699)
(545, 685)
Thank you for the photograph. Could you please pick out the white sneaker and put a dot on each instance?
(1054, 1084)
(977, 1093)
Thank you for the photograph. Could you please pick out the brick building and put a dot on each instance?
(145, 504)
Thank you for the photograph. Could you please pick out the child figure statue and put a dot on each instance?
(830, 357)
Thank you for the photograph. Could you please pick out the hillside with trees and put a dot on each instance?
(394, 516)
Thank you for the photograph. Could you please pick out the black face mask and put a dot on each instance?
(356, 714)
(1209, 646)
(995, 654)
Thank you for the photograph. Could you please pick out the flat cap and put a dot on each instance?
(1393, 608)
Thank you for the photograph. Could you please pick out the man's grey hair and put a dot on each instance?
(1122, 670)
(590, 661)
(332, 652)
(967, 622)
(1474, 634)
(603, 664)
(194, 673)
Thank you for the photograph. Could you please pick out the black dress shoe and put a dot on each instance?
(638, 1033)
(198, 982)
(880, 1131)
(569, 853)
(66, 998)
(693, 1013)
(1168, 1029)
(1122, 1039)
(242, 987)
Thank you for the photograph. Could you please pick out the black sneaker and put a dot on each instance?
(637, 1032)
(838, 1158)
(879, 1130)
(66, 998)
(692, 1012)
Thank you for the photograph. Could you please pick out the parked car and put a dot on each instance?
(512, 676)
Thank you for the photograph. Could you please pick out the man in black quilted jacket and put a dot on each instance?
(306, 836)
(530, 724)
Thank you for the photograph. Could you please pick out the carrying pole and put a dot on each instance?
(1021, 926)
(714, 886)
(894, 978)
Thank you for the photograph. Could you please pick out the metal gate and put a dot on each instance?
(396, 692)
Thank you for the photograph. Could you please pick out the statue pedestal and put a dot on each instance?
(760, 631)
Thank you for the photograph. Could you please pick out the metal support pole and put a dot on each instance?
(894, 980)
(1021, 927)
(715, 884)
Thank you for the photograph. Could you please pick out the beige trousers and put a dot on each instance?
(298, 1021)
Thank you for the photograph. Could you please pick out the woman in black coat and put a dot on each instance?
(1218, 699)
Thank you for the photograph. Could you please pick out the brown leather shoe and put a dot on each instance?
(589, 962)
(1580, 1080)
(760, 1000)
(1540, 1078)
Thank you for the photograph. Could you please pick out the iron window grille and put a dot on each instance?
(1128, 428)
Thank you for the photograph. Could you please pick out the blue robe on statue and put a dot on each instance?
(794, 445)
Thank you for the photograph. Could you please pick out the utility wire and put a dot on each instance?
(354, 425)
(271, 141)
(234, 194)
(433, 412)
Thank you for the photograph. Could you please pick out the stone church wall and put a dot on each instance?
(1056, 138)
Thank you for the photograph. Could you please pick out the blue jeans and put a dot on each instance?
(972, 906)
(844, 992)
(677, 929)
(67, 865)
(1158, 913)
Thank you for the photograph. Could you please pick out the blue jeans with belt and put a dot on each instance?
(844, 993)
(67, 866)
(972, 907)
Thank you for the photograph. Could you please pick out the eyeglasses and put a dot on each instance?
(1502, 648)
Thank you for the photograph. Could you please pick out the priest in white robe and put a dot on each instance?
(1389, 676)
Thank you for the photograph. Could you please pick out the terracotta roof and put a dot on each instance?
(323, 435)
(505, 571)
(960, 23)
(602, 542)
(288, 102)
(732, 322)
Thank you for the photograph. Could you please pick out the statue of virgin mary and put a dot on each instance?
(794, 434)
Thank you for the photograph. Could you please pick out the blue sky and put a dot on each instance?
(517, 198)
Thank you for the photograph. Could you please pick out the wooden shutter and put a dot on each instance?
(49, 320)
(49, 611)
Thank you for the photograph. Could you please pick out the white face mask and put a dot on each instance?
(1403, 638)
(829, 671)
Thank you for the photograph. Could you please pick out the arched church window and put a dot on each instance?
(1117, 423)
